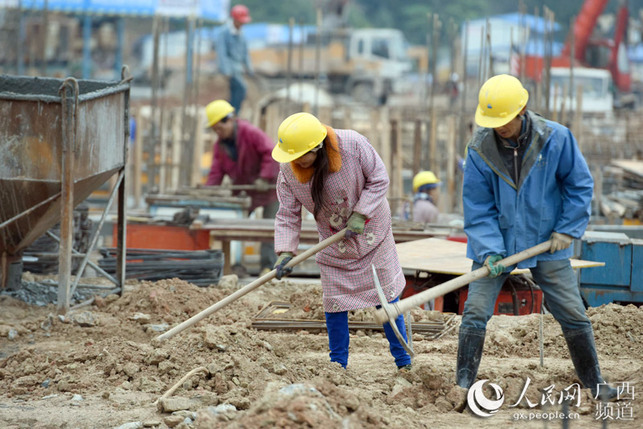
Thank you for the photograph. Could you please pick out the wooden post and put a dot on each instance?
(199, 144)
(375, 131)
(554, 112)
(451, 150)
(396, 159)
(433, 142)
(392, 172)
(578, 117)
(417, 146)
(156, 83)
(163, 158)
(385, 142)
(141, 125)
(563, 106)
(462, 132)
(176, 152)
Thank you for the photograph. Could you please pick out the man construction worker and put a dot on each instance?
(232, 55)
(243, 152)
(425, 197)
(525, 182)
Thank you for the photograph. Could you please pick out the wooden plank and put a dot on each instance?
(631, 166)
(264, 230)
(437, 255)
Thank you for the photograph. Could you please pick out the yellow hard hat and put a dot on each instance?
(297, 135)
(217, 110)
(424, 178)
(501, 98)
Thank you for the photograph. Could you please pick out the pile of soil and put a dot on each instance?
(102, 365)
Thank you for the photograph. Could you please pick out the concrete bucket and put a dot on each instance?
(59, 141)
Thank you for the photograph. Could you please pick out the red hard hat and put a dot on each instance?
(240, 13)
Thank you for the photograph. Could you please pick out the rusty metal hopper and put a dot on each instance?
(47, 127)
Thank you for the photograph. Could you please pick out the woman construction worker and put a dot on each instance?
(242, 152)
(339, 178)
(525, 182)
(425, 197)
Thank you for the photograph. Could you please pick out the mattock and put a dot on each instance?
(251, 286)
(390, 312)
(408, 346)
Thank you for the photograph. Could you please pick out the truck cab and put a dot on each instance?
(597, 86)
(380, 63)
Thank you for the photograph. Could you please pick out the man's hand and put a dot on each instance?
(355, 224)
(494, 269)
(560, 241)
(261, 185)
(280, 265)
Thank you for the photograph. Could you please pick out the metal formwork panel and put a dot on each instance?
(615, 249)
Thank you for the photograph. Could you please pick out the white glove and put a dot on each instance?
(560, 241)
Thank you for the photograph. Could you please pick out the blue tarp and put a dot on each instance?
(510, 28)
(635, 53)
(532, 22)
(212, 10)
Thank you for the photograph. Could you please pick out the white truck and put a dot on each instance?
(367, 64)
(597, 96)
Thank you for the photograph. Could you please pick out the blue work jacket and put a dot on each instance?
(553, 193)
(233, 57)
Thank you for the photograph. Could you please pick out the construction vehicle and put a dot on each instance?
(367, 64)
(588, 51)
(597, 84)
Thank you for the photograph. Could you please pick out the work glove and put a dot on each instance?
(494, 269)
(560, 241)
(280, 265)
(355, 224)
(261, 185)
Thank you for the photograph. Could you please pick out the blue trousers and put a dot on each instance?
(237, 92)
(556, 279)
(338, 338)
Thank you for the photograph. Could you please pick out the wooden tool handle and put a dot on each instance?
(394, 310)
(252, 286)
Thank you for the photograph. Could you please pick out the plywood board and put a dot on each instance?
(436, 255)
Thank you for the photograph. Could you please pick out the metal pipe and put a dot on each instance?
(69, 111)
(77, 254)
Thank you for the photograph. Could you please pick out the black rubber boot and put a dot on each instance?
(583, 352)
(470, 344)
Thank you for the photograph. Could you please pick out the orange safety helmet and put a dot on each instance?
(241, 14)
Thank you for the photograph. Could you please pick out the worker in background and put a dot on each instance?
(233, 58)
(525, 182)
(243, 152)
(425, 197)
(339, 178)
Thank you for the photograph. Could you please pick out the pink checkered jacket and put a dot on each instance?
(360, 185)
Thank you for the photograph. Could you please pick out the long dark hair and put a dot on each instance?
(322, 169)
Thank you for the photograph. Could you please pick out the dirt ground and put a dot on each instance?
(100, 366)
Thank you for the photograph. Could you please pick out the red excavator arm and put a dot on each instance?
(583, 28)
(599, 53)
